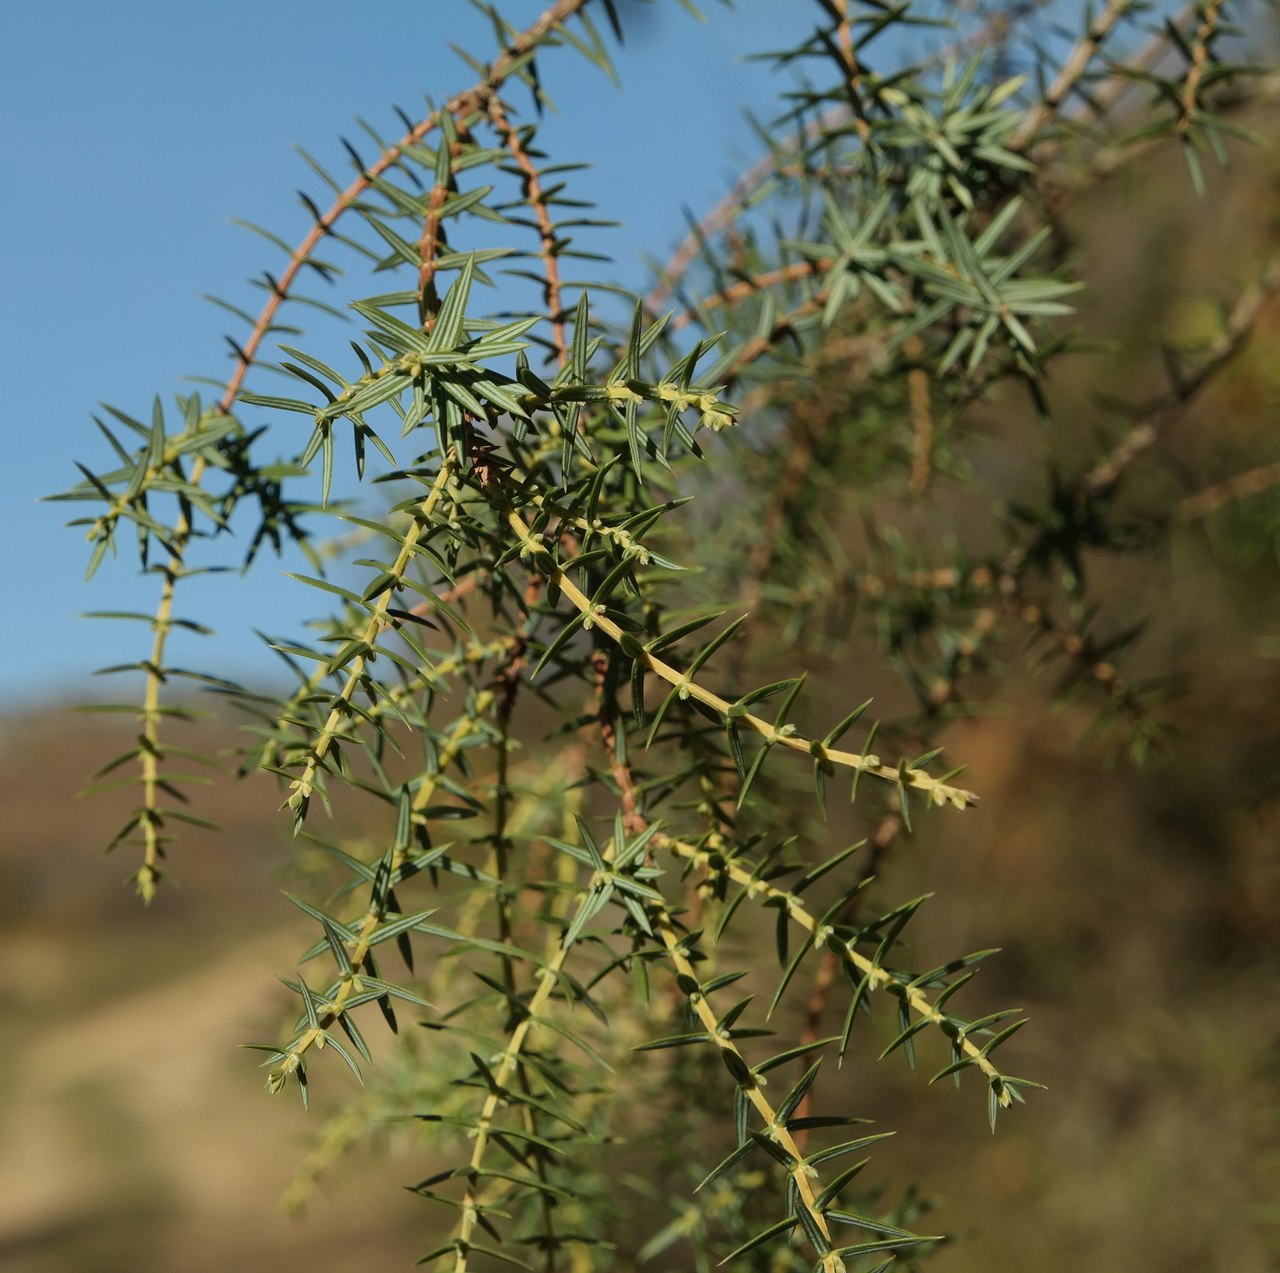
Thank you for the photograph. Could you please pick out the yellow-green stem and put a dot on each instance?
(799, 1171)
(302, 787)
(939, 792)
(502, 1073)
(877, 977)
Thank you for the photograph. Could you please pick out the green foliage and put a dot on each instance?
(555, 666)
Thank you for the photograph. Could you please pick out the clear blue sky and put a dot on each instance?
(131, 133)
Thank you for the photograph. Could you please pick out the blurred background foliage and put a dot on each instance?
(1137, 907)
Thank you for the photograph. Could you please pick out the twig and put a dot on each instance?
(1243, 486)
(887, 831)
(749, 287)
(921, 419)
(633, 821)
(1073, 68)
(548, 249)
(594, 616)
(1212, 16)
(877, 976)
(302, 787)
(797, 1170)
(1108, 471)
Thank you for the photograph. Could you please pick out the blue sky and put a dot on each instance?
(133, 132)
